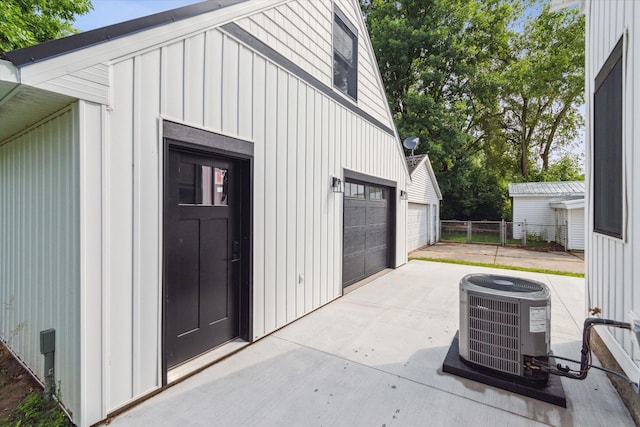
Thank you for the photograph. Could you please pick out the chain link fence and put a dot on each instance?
(505, 233)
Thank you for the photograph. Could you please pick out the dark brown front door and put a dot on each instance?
(202, 254)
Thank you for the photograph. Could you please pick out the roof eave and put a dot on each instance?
(53, 48)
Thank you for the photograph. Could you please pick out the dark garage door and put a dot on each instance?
(367, 230)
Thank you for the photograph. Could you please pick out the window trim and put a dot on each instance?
(339, 18)
(615, 56)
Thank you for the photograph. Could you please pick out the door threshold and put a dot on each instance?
(205, 360)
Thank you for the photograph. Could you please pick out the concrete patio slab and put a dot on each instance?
(374, 357)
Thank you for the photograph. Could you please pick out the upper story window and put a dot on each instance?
(608, 193)
(345, 55)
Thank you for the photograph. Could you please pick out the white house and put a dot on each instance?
(612, 93)
(532, 204)
(188, 181)
(423, 211)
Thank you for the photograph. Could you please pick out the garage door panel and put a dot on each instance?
(378, 214)
(417, 226)
(353, 267)
(354, 240)
(376, 237)
(366, 234)
(375, 261)
(355, 215)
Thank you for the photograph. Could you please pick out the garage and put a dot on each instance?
(423, 207)
(418, 225)
(368, 226)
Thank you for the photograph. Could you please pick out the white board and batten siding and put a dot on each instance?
(302, 137)
(40, 246)
(612, 267)
(94, 176)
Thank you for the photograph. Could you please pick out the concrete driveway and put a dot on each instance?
(572, 262)
(374, 358)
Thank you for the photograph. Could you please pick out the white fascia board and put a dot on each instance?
(129, 45)
(432, 174)
(9, 72)
(568, 204)
(562, 4)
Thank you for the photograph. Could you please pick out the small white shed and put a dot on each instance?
(189, 181)
(570, 223)
(532, 207)
(423, 210)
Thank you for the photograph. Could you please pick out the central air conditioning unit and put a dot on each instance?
(505, 325)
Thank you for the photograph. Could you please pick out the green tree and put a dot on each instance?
(544, 86)
(27, 22)
(491, 87)
(438, 61)
(566, 168)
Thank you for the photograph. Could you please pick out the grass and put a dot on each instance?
(21, 400)
(34, 411)
(500, 266)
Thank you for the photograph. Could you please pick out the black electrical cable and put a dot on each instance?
(585, 360)
(609, 371)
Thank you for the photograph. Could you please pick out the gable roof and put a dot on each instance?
(78, 41)
(78, 66)
(558, 189)
(414, 162)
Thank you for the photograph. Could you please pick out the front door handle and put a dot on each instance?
(235, 252)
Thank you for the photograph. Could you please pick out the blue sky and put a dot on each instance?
(107, 12)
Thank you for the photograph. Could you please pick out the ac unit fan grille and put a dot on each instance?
(494, 334)
(503, 283)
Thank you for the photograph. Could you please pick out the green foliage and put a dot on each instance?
(472, 193)
(28, 22)
(491, 88)
(543, 87)
(566, 168)
(34, 411)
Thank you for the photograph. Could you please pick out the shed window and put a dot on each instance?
(607, 147)
(345, 56)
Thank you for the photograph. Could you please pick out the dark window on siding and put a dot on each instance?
(345, 56)
(607, 147)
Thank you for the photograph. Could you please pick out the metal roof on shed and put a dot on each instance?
(565, 188)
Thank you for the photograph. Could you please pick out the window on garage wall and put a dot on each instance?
(607, 147)
(345, 55)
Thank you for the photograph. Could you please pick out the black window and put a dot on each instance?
(351, 189)
(607, 147)
(376, 193)
(345, 55)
